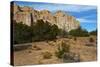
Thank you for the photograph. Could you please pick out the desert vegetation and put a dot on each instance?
(21, 33)
(43, 43)
(36, 32)
(62, 49)
(47, 55)
(79, 32)
(43, 35)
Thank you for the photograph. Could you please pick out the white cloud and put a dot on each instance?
(83, 20)
(65, 7)
(79, 8)
(71, 8)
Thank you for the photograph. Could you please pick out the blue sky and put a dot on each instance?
(87, 15)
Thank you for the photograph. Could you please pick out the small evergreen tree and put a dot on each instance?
(79, 32)
(93, 32)
(21, 33)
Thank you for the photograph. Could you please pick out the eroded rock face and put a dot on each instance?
(23, 17)
(65, 21)
(29, 16)
(47, 16)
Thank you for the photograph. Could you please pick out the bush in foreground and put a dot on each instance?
(47, 55)
(62, 48)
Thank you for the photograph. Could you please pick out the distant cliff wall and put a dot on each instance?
(28, 16)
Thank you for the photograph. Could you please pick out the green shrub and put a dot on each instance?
(21, 33)
(29, 51)
(63, 48)
(37, 32)
(79, 32)
(75, 38)
(59, 53)
(44, 31)
(47, 55)
(93, 32)
(91, 39)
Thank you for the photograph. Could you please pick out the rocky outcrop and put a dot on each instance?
(65, 21)
(29, 16)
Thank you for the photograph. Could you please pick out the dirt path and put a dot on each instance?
(34, 55)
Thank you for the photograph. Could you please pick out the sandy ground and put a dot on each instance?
(34, 54)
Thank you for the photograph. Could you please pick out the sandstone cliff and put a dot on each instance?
(29, 16)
